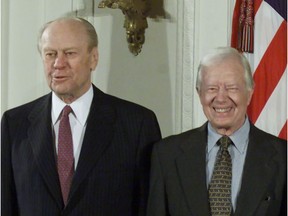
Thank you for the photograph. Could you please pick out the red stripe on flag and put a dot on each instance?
(269, 72)
(283, 133)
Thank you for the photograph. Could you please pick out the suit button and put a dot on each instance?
(268, 198)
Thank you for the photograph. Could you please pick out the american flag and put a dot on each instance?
(260, 31)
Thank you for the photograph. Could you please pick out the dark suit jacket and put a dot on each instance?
(178, 176)
(112, 176)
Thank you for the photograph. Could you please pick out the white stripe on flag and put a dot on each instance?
(267, 22)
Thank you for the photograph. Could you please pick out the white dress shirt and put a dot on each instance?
(78, 119)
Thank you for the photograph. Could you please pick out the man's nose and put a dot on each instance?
(60, 61)
(222, 94)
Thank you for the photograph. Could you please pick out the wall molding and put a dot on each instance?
(185, 65)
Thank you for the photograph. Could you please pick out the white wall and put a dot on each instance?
(161, 77)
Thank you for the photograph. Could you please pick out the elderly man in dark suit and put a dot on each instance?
(97, 161)
(242, 174)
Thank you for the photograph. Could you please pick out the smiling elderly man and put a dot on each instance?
(227, 166)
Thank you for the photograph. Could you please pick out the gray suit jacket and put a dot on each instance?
(178, 176)
(112, 176)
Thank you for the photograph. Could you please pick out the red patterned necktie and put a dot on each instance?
(220, 185)
(65, 160)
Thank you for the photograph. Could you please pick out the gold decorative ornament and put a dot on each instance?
(136, 12)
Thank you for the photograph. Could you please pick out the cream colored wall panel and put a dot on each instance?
(3, 55)
(56, 8)
(161, 77)
(22, 72)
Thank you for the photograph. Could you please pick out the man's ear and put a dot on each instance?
(250, 94)
(198, 90)
(94, 58)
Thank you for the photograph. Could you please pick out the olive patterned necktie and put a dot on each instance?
(65, 160)
(220, 186)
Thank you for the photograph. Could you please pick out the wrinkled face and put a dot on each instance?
(224, 95)
(67, 61)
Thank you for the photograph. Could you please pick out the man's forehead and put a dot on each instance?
(64, 27)
(65, 34)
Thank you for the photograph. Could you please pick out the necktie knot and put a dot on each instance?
(224, 142)
(66, 110)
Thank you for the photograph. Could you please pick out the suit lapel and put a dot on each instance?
(41, 139)
(258, 170)
(98, 136)
(192, 171)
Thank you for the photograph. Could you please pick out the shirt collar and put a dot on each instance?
(240, 137)
(80, 107)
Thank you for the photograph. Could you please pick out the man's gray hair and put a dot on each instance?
(217, 55)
